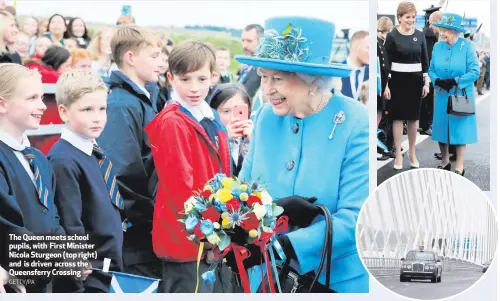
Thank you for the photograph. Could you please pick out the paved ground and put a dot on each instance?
(477, 156)
(451, 284)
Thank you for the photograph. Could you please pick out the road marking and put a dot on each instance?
(421, 138)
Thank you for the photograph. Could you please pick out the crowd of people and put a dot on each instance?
(419, 71)
(148, 122)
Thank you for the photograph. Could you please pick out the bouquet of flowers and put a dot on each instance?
(230, 214)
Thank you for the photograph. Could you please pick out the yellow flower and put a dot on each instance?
(226, 223)
(227, 182)
(259, 210)
(224, 195)
(209, 188)
(258, 194)
(253, 233)
(244, 196)
(225, 214)
(213, 238)
(244, 187)
(216, 225)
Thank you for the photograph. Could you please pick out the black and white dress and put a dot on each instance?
(408, 63)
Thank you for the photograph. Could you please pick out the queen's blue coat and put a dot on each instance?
(307, 163)
(458, 61)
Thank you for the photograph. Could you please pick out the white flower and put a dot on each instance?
(213, 238)
(266, 198)
(189, 204)
(259, 210)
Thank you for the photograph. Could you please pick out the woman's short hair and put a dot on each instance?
(406, 7)
(324, 83)
(384, 24)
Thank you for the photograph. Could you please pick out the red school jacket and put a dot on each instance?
(185, 159)
(49, 75)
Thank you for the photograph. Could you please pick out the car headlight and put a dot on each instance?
(431, 267)
(408, 266)
(426, 267)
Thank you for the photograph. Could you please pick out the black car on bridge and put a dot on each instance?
(420, 264)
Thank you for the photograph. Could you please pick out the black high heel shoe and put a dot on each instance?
(460, 173)
(447, 167)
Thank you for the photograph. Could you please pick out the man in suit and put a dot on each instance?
(250, 40)
(358, 60)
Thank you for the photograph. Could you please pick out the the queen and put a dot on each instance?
(310, 143)
(454, 65)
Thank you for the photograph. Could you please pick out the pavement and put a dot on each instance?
(477, 156)
(451, 284)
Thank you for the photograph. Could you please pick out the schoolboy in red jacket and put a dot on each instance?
(189, 146)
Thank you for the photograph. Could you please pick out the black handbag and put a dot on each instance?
(292, 282)
(460, 105)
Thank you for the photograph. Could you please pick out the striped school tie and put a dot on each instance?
(109, 177)
(41, 189)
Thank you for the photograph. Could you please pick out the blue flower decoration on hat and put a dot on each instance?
(290, 45)
(297, 44)
(451, 21)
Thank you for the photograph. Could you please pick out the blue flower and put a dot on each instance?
(219, 206)
(191, 222)
(269, 210)
(206, 227)
(236, 193)
(208, 276)
(217, 182)
(291, 46)
(199, 205)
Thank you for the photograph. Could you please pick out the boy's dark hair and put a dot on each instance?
(190, 56)
(164, 50)
(223, 92)
(55, 56)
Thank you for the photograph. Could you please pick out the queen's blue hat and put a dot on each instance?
(451, 21)
(297, 44)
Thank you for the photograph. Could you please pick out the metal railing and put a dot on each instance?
(379, 267)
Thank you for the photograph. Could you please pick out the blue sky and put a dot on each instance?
(237, 14)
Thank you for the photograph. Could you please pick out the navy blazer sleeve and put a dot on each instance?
(12, 222)
(123, 140)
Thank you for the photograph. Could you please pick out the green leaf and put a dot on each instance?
(225, 240)
(287, 30)
(277, 211)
